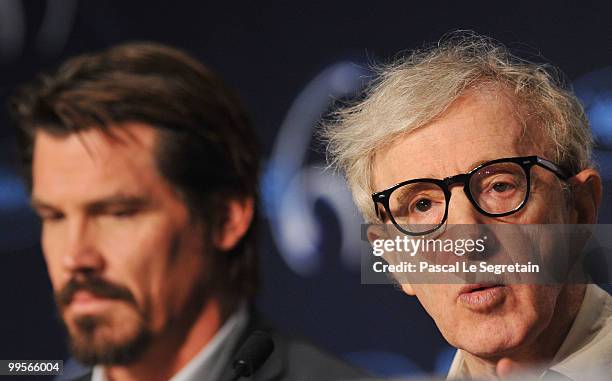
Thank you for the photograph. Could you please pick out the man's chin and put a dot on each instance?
(490, 350)
(94, 339)
(490, 336)
(487, 344)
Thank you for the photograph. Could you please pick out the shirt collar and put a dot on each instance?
(587, 345)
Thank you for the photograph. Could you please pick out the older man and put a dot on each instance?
(465, 133)
(144, 171)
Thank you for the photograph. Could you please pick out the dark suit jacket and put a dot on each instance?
(295, 360)
(291, 360)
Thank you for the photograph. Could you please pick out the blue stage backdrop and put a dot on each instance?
(290, 62)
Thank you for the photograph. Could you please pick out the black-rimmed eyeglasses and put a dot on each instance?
(496, 188)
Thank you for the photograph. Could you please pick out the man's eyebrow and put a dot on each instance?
(39, 204)
(121, 200)
(469, 168)
(477, 163)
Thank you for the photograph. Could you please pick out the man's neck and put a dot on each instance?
(168, 354)
(538, 352)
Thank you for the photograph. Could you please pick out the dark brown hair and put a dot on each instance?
(206, 147)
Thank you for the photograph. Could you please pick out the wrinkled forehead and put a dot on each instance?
(479, 126)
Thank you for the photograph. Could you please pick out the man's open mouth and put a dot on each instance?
(482, 295)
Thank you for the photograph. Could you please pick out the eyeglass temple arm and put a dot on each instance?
(553, 167)
(378, 198)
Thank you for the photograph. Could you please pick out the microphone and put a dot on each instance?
(251, 356)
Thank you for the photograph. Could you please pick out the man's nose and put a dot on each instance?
(461, 211)
(82, 253)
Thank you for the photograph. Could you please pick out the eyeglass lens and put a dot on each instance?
(496, 189)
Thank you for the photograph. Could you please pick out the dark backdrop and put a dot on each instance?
(284, 58)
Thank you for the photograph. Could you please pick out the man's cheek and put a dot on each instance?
(428, 300)
(53, 261)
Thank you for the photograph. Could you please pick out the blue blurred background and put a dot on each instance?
(290, 61)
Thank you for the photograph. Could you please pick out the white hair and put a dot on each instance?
(416, 89)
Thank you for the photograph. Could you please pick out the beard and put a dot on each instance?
(121, 335)
(91, 348)
(105, 339)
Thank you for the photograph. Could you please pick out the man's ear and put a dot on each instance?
(376, 232)
(587, 190)
(238, 219)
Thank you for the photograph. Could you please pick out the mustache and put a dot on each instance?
(95, 286)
